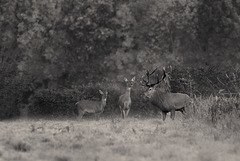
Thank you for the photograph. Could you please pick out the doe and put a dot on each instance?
(94, 107)
(125, 99)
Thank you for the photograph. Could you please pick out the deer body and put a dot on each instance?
(169, 102)
(125, 99)
(94, 107)
(125, 103)
(166, 101)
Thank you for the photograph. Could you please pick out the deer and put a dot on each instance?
(165, 101)
(125, 99)
(93, 107)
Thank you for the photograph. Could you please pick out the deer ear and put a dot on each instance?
(100, 92)
(125, 79)
(133, 79)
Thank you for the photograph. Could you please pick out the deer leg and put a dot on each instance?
(164, 114)
(172, 114)
(183, 110)
(127, 112)
(97, 116)
(121, 110)
(123, 114)
(80, 114)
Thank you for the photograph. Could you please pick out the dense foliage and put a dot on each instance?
(53, 44)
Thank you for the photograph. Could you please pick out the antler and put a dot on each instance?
(147, 83)
(148, 76)
(163, 77)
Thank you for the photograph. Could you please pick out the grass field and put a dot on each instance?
(116, 139)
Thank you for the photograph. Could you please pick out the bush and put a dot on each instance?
(61, 102)
(10, 96)
(204, 80)
(222, 112)
(53, 102)
(225, 113)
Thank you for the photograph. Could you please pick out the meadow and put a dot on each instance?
(135, 138)
(54, 53)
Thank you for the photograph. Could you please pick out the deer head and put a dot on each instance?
(129, 83)
(152, 87)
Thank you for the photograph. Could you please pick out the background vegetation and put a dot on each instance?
(55, 52)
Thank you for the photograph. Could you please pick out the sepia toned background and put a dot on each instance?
(54, 53)
(70, 44)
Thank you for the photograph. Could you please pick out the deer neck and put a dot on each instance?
(157, 96)
(103, 103)
(128, 91)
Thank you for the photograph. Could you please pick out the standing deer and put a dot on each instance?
(166, 101)
(94, 107)
(125, 99)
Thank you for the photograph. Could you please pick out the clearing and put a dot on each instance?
(116, 139)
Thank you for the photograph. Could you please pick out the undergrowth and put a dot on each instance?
(222, 112)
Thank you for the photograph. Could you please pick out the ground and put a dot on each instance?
(116, 139)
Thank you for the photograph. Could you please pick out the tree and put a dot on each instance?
(218, 31)
(63, 39)
(154, 33)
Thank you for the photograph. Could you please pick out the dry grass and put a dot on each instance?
(116, 139)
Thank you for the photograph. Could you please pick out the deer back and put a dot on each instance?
(169, 101)
(89, 106)
(93, 106)
(179, 99)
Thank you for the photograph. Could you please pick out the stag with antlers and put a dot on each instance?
(165, 101)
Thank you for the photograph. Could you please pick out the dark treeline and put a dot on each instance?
(71, 44)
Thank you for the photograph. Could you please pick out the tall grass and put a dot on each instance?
(222, 112)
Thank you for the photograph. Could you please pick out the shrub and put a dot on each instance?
(225, 113)
(61, 102)
(10, 96)
(221, 112)
(204, 80)
(14, 93)
(54, 102)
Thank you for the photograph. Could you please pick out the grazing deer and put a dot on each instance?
(95, 107)
(125, 99)
(166, 101)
